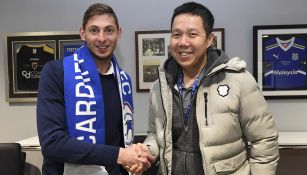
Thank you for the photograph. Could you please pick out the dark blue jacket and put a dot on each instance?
(57, 146)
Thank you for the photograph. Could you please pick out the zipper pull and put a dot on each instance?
(206, 113)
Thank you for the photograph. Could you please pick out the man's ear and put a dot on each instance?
(119, 32)
(82, 33)
(210, 39)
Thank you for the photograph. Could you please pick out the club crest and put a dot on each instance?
(128, 123)
(223, 90)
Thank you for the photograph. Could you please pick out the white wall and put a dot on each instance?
(18, 121)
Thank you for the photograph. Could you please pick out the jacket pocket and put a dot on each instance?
(232, 164)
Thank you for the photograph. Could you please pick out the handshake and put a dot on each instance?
(136, 158)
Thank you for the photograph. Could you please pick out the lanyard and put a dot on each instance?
(180, 88)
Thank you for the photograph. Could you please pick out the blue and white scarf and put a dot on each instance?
(84, 102)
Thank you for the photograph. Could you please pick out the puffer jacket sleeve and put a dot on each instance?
(151, 139)
(258, 126)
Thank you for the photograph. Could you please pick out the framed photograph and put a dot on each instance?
(26, 54)
(153, 48)
(218, 41)
(280, 60)
(69, 45)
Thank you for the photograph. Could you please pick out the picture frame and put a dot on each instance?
(279, 61)
(219, 38)
(25, 55)
(153, 48)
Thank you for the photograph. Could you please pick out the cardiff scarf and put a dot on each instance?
(84, 102)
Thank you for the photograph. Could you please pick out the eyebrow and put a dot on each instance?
(188, 30)
(106, 27)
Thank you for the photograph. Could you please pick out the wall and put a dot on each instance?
(18, 121)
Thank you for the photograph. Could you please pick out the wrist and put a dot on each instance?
(120, 155)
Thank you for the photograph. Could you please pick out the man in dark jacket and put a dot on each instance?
(85, 105)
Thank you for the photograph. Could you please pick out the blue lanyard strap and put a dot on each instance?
(180, 88)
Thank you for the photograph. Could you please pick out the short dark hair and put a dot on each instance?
(98, 9)
(194, 8)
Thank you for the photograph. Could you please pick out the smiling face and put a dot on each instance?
(101, 34)
(189, 42)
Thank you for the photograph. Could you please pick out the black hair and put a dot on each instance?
(197, 9)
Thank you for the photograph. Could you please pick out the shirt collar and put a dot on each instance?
(110, 70)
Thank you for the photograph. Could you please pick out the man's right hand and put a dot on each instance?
(135, 158)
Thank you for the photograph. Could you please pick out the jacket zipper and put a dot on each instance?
(185, 125)
(206, 108)
(163, 126)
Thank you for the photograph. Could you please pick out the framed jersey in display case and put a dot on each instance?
(26, 54)
(280, 60)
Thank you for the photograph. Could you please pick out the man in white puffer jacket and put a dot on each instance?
(207, 115)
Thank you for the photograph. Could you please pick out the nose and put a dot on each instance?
(183, 40)
(101, 36)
